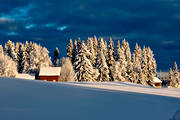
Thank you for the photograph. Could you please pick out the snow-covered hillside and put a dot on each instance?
(130, 87)
(37, 100)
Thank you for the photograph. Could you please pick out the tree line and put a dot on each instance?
(97, 60)
(92, 60)
(23, 58)
(29, 57)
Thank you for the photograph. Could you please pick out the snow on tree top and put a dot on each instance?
(50, 71)
(157, 80)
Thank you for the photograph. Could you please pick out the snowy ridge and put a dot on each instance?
(131, 87)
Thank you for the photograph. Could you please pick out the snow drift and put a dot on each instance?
(37, 100)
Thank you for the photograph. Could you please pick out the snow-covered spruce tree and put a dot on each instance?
(119, 68)
(127, 52)
(129, 67)
(152, 61)
(117, 51)
(44, 59)
(151, 66)
(117, 72)
(148, 65)
(56, 58)
(105, 51)
(125, 61)
(137, 56)
(79, 44)
(74, 52)
(10, 50)
(8, 66)
(28, 49)
(70, 49)
(90, 47)
(67, 71)
(171, 78)
(102, 67)
(82, 65)
(102, 47)
(142, 78)
(21, 58)
(33, 58)
(144, 66)
(174, 76)
(95, 46)
(111, 58)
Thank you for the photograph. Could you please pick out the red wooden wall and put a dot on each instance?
(50, 78)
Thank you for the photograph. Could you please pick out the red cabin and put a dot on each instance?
(50, 73)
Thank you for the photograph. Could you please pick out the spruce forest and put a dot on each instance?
(87, 61)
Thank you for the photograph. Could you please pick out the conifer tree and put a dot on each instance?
(95, 46)
(44, 59)
(171, 78)
(70, 49)
(10, 50)
(102, 47)
(151, 66)
(117, 52)
(90, 47)
(151, 61)
(20, 57)
(142, 78)
(148, 65)
(176, 71)
(127, 53)
(129, 67)
(175, 81)
(74, 52)
(117, 71)
(125, 67)
(79, 44)
(103, 68)
(33, 58)
(111, 58)
(27, 57)
(144, 65)
(82, 65)
(137, 56)
(56, 58)
(106, 51)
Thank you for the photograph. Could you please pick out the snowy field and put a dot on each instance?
(26, 76)
(37, 100)
(131, 87)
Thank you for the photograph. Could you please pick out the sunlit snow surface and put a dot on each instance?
(38, 100)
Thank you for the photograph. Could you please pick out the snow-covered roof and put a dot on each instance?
(157, 80)
(50, 71)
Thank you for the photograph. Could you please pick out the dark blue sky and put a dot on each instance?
(154, 23)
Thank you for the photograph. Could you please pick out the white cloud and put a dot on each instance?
(62, 28)
(29, 26)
